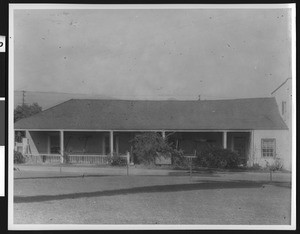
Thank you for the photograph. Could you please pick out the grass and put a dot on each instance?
(210, 198)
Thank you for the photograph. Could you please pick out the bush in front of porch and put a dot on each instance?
(147, 146)
(217, 157)
(19, 158)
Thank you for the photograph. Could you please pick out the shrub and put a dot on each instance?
(19, 158)
(147, 145)
(19, 135)
(274, 165)
(216, 157)
(118, 161)
(178, 159)
(256, 166)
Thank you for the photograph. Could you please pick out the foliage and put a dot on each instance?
(178, 159)
(19, 135)
(215, 157)
(116, 160)
(19, 158)
(256, 166)
(146, 147)
(26, 110)
(274, 165)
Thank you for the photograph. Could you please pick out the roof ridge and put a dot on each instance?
(146, 100)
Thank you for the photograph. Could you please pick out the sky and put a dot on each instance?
(152, 53)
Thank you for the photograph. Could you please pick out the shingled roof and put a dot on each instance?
(92, 114)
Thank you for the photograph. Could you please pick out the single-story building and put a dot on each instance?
(94, 129)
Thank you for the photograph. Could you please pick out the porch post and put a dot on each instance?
(62, 146)
(163, 133)
(25, 143)
(48, 144)
(111, 133)
(103, 144)
(117, 144)
(251, 151)
(225, 139)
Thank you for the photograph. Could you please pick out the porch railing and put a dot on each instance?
(43, 158)
(72, 158)
(88, 159)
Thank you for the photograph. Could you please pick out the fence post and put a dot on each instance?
(128, 161)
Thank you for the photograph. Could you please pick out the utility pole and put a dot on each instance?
(23, 102)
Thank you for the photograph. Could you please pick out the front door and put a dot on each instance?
(239, 146)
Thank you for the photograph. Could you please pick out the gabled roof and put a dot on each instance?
(91, 114)
(281, 85)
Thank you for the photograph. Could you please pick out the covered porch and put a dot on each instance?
(192, 142)
(94, 147)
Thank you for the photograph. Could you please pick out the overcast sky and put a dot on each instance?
(153, 54)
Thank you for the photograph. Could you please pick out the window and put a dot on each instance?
(283, 109)
(268, 147)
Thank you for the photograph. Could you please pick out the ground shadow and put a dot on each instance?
(194, 173)
(60, 177)
(203, 185)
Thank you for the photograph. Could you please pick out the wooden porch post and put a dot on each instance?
(103, 144)
(251, 151)
(25, 143)
(62, 146)
(48, 144)
(225, 139)
(117, 144)
(111, 133)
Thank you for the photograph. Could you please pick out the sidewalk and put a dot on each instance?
(78, 170)
(98, 170)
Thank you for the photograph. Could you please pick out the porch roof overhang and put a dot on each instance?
(142, 130)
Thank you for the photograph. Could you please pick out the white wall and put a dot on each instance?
(283, 147)
(284, 94)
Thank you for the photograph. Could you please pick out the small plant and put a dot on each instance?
(274, 165)
(19, 158)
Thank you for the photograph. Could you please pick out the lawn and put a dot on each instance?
(210, 198)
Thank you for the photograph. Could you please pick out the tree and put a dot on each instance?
(146, 147)
(25, 110)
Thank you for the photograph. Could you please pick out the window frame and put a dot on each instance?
(262, 147)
